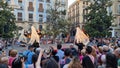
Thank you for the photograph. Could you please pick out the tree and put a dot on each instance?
(56, 24)
(98, 19)
(7, 20)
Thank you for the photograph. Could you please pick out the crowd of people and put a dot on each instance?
(98, 53)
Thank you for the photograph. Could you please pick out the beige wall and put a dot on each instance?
(72, 11)
(115, 11)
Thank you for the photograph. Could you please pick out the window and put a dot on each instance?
(86, 2)
(19, 1)
(119, 9)
(40, 27)
(83, 11)
(30, 17)
(119, 22)
(48, 6)
(83, 2)
(30, 8)
(86, 11)
(40, 18)
(40, 7)
(40, 15)
(19, 16)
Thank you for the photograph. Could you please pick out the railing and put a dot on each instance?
(30, 9)
(30, 19)
(40, 10)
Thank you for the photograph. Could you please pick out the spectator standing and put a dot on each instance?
(54, 55)
(29, 53)
(66, 59)
(13, 55)
(60, 53)
(88, 60)
(75, 63)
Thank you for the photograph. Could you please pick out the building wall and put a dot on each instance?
(77, 11)
(116, 13)
(115, 9)
(39, 18)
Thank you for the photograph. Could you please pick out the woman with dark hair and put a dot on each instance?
(34, 60)
(54, 52)
(80, 46)
(9, 52)
(50, 63)
(88, 60)
(18, 63)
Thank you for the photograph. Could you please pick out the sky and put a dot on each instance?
(70, 2)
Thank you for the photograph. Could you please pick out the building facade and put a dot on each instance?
(77, 11)
(115, 9)
(32, 12)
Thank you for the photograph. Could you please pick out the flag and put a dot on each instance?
(81, 37)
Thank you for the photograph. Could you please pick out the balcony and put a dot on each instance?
(19, 19)
(30, 9)
(40, 20)
(84, 6)
(40, 10)
(30, 19)
(21, 8)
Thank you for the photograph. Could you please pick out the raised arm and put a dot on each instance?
(39, 59)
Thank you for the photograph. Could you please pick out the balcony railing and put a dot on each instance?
(30, 9)
(21, 8)
(40, 10)
(19, 19)
(30, 19)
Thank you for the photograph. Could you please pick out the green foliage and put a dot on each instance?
(61, 26)
(57, 24)
(7, 21)
(98, 19)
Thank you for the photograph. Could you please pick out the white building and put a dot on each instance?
(32, 12)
